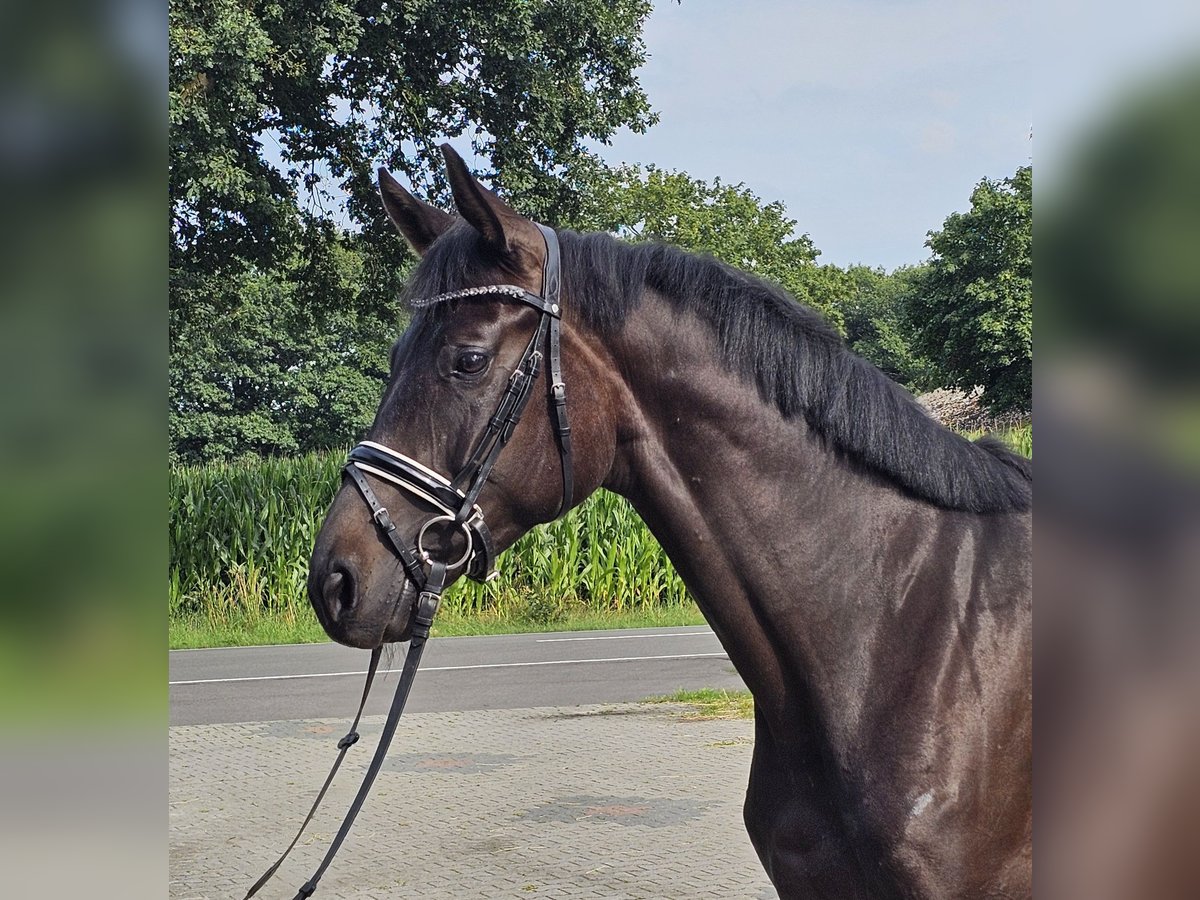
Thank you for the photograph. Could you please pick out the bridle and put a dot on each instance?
(457, 501)
(456, 497)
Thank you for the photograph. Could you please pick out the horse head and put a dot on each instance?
(458, 475)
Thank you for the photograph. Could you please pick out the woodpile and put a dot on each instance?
(962, 411)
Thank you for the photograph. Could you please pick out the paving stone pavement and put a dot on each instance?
(615, 801)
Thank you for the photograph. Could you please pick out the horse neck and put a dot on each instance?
(777, 538)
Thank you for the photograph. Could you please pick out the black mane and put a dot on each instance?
(798, 362)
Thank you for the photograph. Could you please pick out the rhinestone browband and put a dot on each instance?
(510, 290)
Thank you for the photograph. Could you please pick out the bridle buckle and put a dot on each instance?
(383, 519)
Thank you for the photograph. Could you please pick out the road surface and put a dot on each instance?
(520, 769)
(306, 681)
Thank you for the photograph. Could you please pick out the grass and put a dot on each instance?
(199, 631)
(578, 619)
(711, 703)
(1019, 438)
(195, 631)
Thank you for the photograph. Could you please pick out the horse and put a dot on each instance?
(867, 570)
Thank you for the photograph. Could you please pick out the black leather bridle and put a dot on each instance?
(456, 499)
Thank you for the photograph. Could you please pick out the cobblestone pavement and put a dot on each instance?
(615, 801)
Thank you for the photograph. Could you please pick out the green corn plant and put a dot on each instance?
(240, 535)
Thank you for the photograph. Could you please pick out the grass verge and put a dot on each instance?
(195, 632)
(711, 703)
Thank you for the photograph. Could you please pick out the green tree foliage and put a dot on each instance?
(337, 87)
(727, 221)
(269, 363)
(971, 310)
(279, 112)
(873, 314)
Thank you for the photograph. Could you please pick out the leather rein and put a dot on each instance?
(456, 500)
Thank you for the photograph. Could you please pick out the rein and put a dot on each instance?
(455, 498)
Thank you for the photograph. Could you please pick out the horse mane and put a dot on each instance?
(797, 361)
(801, 365)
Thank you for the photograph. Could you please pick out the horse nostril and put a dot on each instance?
(339, 590)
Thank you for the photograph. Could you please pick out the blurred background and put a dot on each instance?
(84, 242)
(82, 441)
(1117, 397)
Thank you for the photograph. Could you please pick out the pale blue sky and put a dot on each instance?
(870, 121)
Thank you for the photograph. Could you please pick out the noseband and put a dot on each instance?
(456, 500)
(456, 497)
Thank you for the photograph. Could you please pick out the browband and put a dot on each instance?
(542, 304)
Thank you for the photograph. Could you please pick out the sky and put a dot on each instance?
(871, 120)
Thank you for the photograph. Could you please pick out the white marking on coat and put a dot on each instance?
(922, 802)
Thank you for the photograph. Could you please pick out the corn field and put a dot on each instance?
(241, 535)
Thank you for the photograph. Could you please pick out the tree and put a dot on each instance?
(336, 87)
(279, 112)
(277, 362)
(971, 311)
(727, 221)
(873, 312)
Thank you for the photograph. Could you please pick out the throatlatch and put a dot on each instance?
(456, 499)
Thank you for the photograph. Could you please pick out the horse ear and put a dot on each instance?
(420, 223)
(490, 216)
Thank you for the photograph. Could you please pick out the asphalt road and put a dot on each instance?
(303, 681)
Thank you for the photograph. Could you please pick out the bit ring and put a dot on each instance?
(424, 554)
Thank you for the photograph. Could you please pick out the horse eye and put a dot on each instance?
(471, 362)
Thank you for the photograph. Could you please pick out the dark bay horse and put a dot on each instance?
(867, 570)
